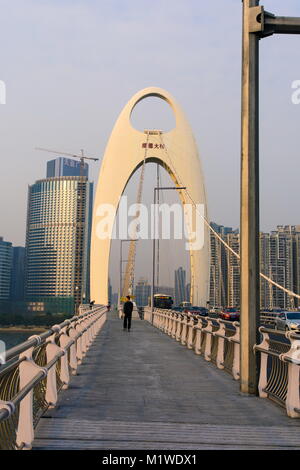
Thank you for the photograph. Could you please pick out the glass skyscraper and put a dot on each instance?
(5, 269)
(180, 286)
(17, 274)
(58, 243)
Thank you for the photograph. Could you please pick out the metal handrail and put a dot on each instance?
(215, 344)
(279, 368)
(39, 339)
(41, 353)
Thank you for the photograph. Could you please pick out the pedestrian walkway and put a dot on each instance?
(143, 390)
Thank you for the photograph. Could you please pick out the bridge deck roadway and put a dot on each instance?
(143, 390)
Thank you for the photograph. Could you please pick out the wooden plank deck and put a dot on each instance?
(143, 390)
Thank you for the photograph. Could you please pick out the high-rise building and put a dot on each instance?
(224, 269)
(5, 269)
(219, 266)
(65, 167)
(180, 286)
(58, 243)
(233, 270)
(17, 287)
(280, 261)
(142, 292)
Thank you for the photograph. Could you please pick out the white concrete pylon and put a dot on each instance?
(124, 154)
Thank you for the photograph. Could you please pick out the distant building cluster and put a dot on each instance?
(180, 292)
(224, 268)
(51, 273)
(12, 261)
(279, 261)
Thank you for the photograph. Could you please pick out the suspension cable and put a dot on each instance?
(266, 278)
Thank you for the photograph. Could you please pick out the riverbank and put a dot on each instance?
(23, 329)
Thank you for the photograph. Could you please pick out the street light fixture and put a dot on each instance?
(126, 240)
(155, 190)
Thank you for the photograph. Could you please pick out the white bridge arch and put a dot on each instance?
(124, 154)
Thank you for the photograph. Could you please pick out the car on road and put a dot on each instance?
(288, 321)
(202, 311)
(230, 313)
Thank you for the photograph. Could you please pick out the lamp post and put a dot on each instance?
(155, 233)
(257, 24)
(126, 240)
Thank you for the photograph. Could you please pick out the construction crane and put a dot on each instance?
(81, 157)
(80, 225)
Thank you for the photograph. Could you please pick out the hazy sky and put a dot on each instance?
(71, 65)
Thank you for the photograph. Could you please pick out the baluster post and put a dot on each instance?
(208, 341)
(28, 369)
(52, 349)
(293, 358)
(263, 376)
(221, 334)
(64, 341)
(198, 339)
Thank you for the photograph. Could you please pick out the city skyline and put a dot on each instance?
(88, 114)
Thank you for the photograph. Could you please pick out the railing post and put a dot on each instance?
(51, 351)
(221, 335)
(171, 323)
(190, 338)
(73, 357)
(88, 332)
(174, 327)
(166, 320)
(28, 369)
(263, 376)
(79, 350)
(184, 330)
(84, 339)
(154, 313)
(293, 356)
(235, 339)
(208, 342)
(64, 341)
(178, 329)
(198, 339)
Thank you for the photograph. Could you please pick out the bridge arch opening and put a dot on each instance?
(153, 112)
(176, 151)
(169, 241)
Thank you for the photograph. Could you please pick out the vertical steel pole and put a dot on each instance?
(153, 249)
(249, 203)
(121, 262)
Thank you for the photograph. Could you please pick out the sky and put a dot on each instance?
(70, 66)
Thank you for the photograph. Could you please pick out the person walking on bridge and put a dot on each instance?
(127, 310)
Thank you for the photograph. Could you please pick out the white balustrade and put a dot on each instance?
(75, 336)
(197, 333)
(292, 357)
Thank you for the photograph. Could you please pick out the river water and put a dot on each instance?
(12, 338)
